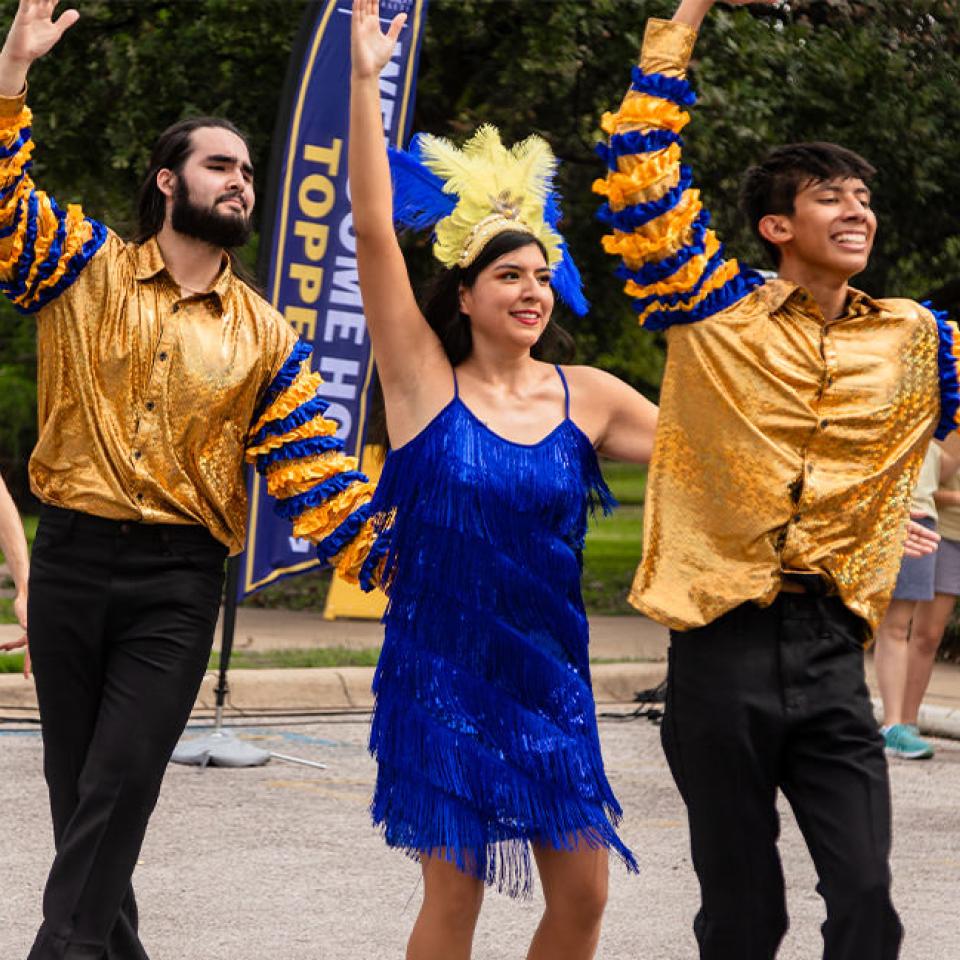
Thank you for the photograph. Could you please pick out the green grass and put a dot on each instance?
(11, 662)
(627, 481)
(311, 657)
(614, 543)
(609, 560)
(259, 660)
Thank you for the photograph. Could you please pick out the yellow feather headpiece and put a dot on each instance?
(472, 193)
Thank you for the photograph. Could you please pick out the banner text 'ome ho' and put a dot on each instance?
(308, 251)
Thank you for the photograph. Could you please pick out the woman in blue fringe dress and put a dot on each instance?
(485, 729)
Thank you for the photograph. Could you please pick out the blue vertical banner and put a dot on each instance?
(308, 249)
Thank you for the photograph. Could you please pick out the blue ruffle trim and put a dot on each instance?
(731, 292)
(634, 142)
(22, 137)
(8, 191)
(9, 230)
(18, 285)
(949, 381)
(79, 260)
(292, 507)
(674, 89)
(682, 296)
(299, 450)
(655, 272)
(303, 414)
(330, 546)
(287, 373)
(46, 269)
(637, 214)
(379, 549)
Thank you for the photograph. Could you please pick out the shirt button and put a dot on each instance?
(150, 404)
(163, 355)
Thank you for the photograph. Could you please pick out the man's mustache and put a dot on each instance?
(233, 195)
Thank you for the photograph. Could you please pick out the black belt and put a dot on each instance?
(807, 584)
(128, 529)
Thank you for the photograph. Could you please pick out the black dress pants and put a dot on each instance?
(768, 699)
(121, 619)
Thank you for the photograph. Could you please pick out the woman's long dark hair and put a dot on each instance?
(441, 307)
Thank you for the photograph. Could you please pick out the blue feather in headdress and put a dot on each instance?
(418, 197)
(566, 279)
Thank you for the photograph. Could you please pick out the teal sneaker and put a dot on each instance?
(904, 741)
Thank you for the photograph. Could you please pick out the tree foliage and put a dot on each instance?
(875, 75)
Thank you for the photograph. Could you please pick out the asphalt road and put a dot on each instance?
(280, 862)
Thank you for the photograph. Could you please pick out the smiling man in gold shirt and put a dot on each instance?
(794, 415)
(160, 373)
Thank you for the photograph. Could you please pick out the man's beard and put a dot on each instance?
(217, 229)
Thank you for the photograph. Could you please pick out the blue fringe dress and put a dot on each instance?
(485, 729)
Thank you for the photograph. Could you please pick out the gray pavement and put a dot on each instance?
(280, 861)
(631, 652)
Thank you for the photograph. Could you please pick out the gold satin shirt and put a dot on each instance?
(785, 442)
(145, 397)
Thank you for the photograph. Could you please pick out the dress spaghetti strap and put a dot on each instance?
(456, 384)
(566, 393)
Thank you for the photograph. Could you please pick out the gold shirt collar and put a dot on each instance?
(775, 293)
(149, 264)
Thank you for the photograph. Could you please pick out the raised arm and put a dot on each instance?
(42, 247)
(672, 262)
(407, 352)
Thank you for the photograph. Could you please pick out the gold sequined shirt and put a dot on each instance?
(787, 443)
(150, 402)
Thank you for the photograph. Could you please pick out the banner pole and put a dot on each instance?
(227, 631)
(221, 747)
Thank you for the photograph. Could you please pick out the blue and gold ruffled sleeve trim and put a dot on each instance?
(43, 247)
(672, 262)
(318, 488)
(948, 362)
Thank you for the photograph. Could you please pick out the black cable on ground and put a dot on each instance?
(649, 708)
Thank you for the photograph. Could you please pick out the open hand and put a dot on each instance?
(692, 12)
(920, 541)
(16, 645)
(34, 32)
(20, 612)
(370, 47)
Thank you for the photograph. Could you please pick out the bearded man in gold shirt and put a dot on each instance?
(160, 372)
(794, 416)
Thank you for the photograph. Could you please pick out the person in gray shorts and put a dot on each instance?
(923, 600)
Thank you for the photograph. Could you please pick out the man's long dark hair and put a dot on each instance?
(441, 308)
(170, 152)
